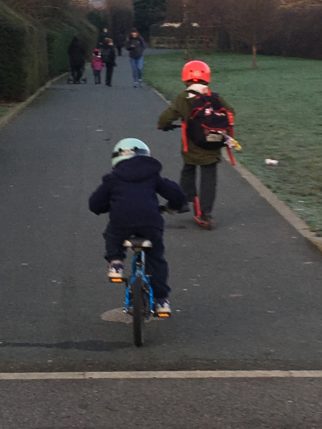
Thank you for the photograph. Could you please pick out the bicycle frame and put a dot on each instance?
(138, 270)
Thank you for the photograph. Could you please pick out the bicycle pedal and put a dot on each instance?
(116, 279)
(163, 315)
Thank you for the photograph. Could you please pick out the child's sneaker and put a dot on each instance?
(115, 270)
(204, 221)
(162, 307)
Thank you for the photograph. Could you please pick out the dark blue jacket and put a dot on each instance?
(135, 46)
(129, 194)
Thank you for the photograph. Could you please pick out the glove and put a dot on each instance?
(233, 144)
(170, 127)
(165, 209)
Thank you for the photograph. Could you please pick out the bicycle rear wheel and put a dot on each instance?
(138, 311)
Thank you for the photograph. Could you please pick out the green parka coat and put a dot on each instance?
(181, 109)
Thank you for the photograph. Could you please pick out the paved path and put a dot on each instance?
(245, 296)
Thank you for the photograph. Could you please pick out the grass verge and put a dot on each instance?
(5, 108)
(278, 115)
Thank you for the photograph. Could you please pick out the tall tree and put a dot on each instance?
(252, 22)
(148, 12)
(39, 9)
(210, 19)
(174, 10)
(120, 14)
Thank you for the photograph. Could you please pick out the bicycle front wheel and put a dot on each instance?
(138, 311)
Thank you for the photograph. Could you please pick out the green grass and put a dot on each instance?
(278, 115)
(5, 108)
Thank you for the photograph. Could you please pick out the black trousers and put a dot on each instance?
(76, 71)
(97, 76)
(156, 265)
(207, 187)
(109, 74)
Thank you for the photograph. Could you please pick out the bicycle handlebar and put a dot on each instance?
(171, 127)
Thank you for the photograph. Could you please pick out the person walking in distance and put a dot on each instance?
(119, 43)
(102, 36)
(136, 45)
(97, 65)
(108, 55)
(76, 54)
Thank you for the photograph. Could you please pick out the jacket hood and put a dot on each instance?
(137, 169)
(197, 87)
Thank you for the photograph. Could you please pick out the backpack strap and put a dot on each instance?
(184, 136)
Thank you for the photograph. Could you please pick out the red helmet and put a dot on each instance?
(196, 71)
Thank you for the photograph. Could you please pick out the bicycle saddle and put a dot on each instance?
(137, 243)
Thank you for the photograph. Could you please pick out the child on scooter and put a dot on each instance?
(196, 76)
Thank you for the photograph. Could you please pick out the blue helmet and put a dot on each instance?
(128, 148)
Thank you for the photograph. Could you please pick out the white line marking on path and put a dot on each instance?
(140, 375)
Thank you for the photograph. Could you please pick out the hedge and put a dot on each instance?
(23, 66)
(30, 54)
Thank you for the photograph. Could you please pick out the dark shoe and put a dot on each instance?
(184, 209)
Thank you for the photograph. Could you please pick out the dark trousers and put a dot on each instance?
(97, 76)
(109, 74)
(77, 71)
(207, 188)
(156, 265)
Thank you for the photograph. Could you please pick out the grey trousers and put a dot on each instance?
(207, 186)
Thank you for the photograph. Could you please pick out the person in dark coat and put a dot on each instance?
(76, 54)
(129, 194)
(119, 43)
(136, 45)
(102, 36)
(108, 56)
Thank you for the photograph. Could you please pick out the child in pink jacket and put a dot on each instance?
(97, 65)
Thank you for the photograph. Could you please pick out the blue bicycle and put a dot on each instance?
(139, 297)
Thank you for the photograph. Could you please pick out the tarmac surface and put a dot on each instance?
(246, 296)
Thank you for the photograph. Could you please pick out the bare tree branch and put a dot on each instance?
(252, 21)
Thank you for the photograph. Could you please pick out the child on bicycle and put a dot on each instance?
(196, 76)
(129, 194)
